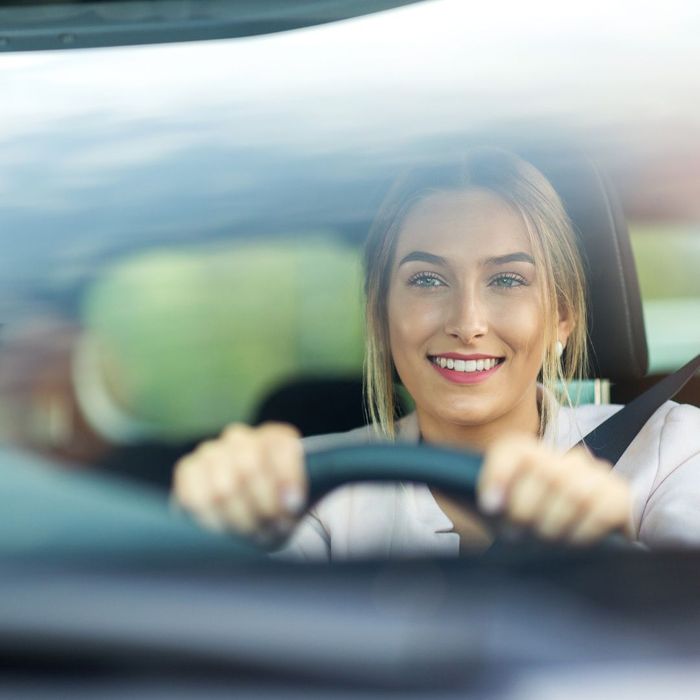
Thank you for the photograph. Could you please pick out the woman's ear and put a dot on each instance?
(565, 325)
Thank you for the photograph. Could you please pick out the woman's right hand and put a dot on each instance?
(250, 481)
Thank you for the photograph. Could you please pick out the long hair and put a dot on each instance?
(561, 277)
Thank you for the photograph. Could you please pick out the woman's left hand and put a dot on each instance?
(573, 496)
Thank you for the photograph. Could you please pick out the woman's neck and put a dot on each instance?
(524, 417)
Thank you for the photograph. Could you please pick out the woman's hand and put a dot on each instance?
(572, 497)
(249, 480)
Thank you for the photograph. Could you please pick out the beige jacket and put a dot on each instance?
(662, 465)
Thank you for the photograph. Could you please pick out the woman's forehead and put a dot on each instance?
(455, 221)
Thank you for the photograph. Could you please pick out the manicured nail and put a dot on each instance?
(492, 500)
(212, 521)
(293, 500)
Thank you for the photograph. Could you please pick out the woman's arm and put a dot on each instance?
(671, 515)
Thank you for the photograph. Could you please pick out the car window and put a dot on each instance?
(183, 223)
(254, 315)
(667, 256)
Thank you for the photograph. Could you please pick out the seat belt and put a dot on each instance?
(612, 437)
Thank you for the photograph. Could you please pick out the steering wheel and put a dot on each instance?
(441, 467)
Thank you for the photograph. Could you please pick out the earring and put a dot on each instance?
(559, 348)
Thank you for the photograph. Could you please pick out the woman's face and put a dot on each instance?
(465, 313)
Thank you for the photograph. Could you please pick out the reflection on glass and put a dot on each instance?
(190, 338)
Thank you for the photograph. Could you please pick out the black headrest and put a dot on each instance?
(617, 340)
(316, 405)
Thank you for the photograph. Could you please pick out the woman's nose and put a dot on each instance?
(467, 320)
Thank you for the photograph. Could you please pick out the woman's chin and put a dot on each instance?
(463, 416)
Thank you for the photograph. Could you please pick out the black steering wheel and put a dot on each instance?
(450, 470)
(440, 467)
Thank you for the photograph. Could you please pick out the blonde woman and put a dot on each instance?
(475, 297)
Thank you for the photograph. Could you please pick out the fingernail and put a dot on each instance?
(491, 500)
(211, 521)
(293, 500)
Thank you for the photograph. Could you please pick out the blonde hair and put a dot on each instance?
(560, 276)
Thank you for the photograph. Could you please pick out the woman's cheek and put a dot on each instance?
(414, 319)
(520, 324)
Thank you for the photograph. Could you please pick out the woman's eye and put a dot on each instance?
(425, 279)
(507, 281)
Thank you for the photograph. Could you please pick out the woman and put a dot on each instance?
(475, 297)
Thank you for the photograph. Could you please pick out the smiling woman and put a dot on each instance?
(475, 298)
(485, 260)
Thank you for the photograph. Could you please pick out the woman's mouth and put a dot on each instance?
(466, 370)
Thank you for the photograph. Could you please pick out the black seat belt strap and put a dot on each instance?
(612, 437)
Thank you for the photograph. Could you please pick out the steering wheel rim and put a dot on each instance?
(440, 467)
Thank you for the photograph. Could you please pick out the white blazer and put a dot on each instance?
(662, 465)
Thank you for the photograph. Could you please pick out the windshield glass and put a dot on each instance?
(371, 220)
(183, 224)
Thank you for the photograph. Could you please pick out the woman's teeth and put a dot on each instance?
(465, 365)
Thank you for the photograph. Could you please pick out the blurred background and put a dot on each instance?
(181, 225)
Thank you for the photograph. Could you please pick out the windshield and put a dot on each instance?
(183, 228)
(210, 200)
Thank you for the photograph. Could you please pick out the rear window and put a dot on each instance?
(668, 260)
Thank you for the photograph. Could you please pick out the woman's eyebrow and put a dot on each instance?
(510, 257)
(422, 256)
